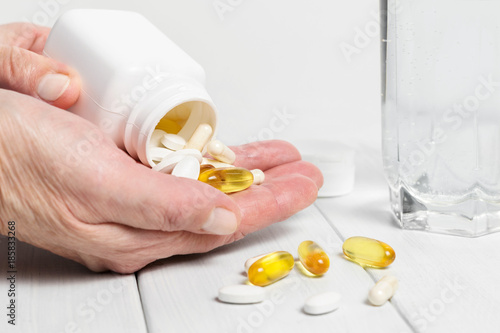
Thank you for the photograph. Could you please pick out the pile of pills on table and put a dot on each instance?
(269, 268)
(172, 154)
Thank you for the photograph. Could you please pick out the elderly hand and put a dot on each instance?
(73, 192)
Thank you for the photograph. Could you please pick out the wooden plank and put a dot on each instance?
(447, 283)
(179, 294)
(57, 295)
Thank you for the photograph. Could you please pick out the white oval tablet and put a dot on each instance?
(170, 161)
(322, 303)
(173, 141)
(156, 136)
(188, 167)
(241, 294)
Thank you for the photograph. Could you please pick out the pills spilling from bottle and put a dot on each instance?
(368, 252)
(383, 290)
(322, 303)
(241, 294)
(313, 258)
(171, 153)
(270, 268)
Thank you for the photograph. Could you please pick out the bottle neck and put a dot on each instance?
(174, 92)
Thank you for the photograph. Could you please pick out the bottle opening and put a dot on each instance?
(183, 120)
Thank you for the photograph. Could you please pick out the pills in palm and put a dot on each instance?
(241, 294)
(168, 150)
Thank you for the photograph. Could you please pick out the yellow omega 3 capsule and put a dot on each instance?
(313, 258)
(168, 126)
(270, 268)
(368, 252)
(228, 180)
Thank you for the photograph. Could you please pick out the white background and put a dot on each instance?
(264, 57)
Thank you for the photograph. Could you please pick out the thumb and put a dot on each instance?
(41, 77)
(136, 196)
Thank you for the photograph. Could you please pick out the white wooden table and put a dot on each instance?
(447, 284)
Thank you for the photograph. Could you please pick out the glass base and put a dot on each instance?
(470, 218)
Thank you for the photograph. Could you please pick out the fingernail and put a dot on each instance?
(52, 86)
(221, 222)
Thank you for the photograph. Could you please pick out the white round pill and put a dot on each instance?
(188, 167)
(241, 294)
(173, 141)
(170, 161)
(156, 136)
(383, 290)
(322, 303)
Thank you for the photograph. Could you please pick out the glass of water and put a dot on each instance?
(441, 113)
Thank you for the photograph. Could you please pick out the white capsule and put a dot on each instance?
(155, 140)
(258, 176)
(188, 167)
(173, 141)
(216, 163)
(157, 153)
(250, 261)
(383, 290)
(242, 294)
(322, 303)
(221, 152)
(169, 162)
(200, 137)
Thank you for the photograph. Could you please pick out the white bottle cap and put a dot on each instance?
(336, 162)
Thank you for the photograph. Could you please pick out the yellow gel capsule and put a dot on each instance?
(368, 252)
(168, 126)
(228, 180)
(313, 258)
(270, 268)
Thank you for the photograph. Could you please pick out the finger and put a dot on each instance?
(32, 74)
(265, 154)
(24, 35)
(299, 167)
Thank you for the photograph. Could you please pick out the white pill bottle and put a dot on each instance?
(133, 76)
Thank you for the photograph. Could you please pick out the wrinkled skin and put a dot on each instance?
(73, 192)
